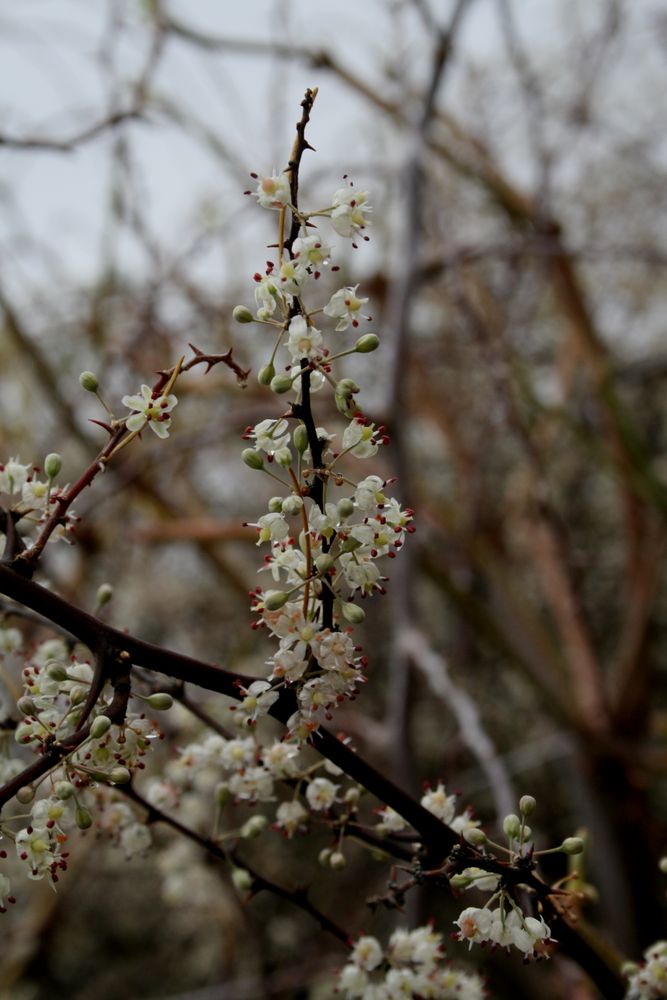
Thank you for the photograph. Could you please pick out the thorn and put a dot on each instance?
(100, 423)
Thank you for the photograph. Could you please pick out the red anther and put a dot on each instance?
(355, 322)
(336, 267)
(23, 856)
(257, 276)
(411, 528)
(254, 176)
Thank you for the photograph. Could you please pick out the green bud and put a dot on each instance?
(160, 701)
(292, 505)
(56, 670)
(64, 790)
(275, 505)
(274, 600)
(282, 382)
(99, 727)
(283, 456)
(344, 404)
(460, 881)
(252, 458)
(345, 508)
(351, 796)
(119, 775)
(527, 832)
(324, 562)
(104, 594)
(337, 861)
(78, 694)
(352, 613)
(475, 836)
(265, 374)
(324, 857)
(527, 805)
(83, 818)
(572, 845)
(53, 463)
(512, 826)
(25, 794)
(88, 381)
(300, 438)
(222, 793)
(242, 879)
(350, 544)
(253, 827)
(243, 315)
(369, 342)
(26, 705)
(347, 387)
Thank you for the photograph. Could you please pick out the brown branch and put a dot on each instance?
(70, 143)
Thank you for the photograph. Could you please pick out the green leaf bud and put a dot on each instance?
(160, 701)
(53, 463)
(475, 836)
(369, 342)
(252, 458)
(572, 845)
(274, 600)
(119, 775)
(352, 613)
(83, 818)
(88, 381)
(64, 790)
(25, 794)
(253, 827)
(527, 805)
(345, 508)
(511, 826)
(243, 315)
(104, 594)
(99, 727)
(265, 374)
(280, 383)
(300, 438)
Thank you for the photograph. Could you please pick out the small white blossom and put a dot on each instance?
(13, 476)
(348, 216)
(440, 803)
(152, 409)
(290, 817)
(273, 191)
(321, 794)
(303, 341)
(345, 307)
(359, 438)
(269, 435)
(367, 953)
(311, 250)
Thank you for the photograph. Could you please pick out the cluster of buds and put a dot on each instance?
(33, 493)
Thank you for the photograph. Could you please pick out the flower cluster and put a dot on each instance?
(411, 966)
(648, 981)
(324, 547)
(505, 926)
(34, 493)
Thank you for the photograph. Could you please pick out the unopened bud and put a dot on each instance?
(662, 865)
(460, 881)
(475, 836)
(243, 315)
(26, 705)
(351, 796)
(64, 790)
(242, 879)
(347, 387)
(350, 544)
(99, 727)
(83, 818)
(337, 861)
(274, 600)
(88, 381)
(119, 775)
(572, 845)
(78, 694)
(292, 505)
(275, 505)
(324, 857)
(25, 794)
(56, 670)
(265, 374)
(280, 383)
(345, 508)
(222, 793)
(352, 613)
(253, 827)
(283, 456)
(324, 562)
(252, 458)
(160, 701)
(527, 805)
(369, 342)
(104, 594)
(300, 438)
(512, 826)
(53, 463)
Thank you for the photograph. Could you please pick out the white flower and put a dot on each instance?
(273, 191)
(280, 759)
(368, 493)
(35, 493)
(346, 307)
(268, 296)
(254, 783)
(238, 754)
(481, 879)
(5, 891)
(334, 650)
(352, 981)
(35, 847)
(272, 527)
(440, 803)
(360, 572)
(389, 821)
(475, 925)
(359, 438)
(287, 664)
(135, 838)
(303, 341)
(11, 640)
(152, 409)
(269, 435)
(348, 215)
(259, 697)
(311, 250)
(367, 953)
(650, 981)
(321, 794)
(290, 816)
(13, 476)
(292, 275)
